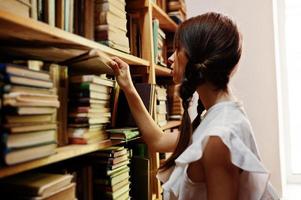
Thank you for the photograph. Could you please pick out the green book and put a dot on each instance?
(155, 39)
(123, 133)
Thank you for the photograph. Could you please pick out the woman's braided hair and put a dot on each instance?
(213, 47)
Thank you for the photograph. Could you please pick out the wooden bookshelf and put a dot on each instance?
(163, 71)
(171, 124)
(31, 39)
(62, 153)
(27, 38)
(166, 22)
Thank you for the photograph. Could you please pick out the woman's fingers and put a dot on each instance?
(115, 67)
(120, 62)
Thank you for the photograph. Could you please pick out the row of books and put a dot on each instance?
(29, 112)
(104, 21)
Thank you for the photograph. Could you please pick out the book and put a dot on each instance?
(28, 90)
(86, 109)
(15, 119)
(117, 9)
(116, 170)
(100, 138)
(155, 39)
(93, 61)
(112, 167)
(118, 193)
(23, 100)
(21, 140)
(114, 160)
(82, 132)
(92, 79)
(30, 110)
(90, 94)
(92, 87)
(18, 80)
(114, 45)
(112, 152)
(89, 6)
(113, 180)
(87, 120)
(23, 71)
(115, 187)
(107, 17)
(122, 113)
(67, 192)
(123, 133)
(90, 115)
(22, 128)
(111, 28)
(87, 102)
(88, 135)
(27, 154)
(35, 184)
(118, 38)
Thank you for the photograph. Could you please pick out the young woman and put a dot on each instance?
(215, 155)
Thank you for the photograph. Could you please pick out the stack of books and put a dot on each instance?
(38, 186)
(159, 44)
(29, 114)
(89, 108)
(111, 173)
(161, 94)
(177, 10)
(175, 103)
(110, 24)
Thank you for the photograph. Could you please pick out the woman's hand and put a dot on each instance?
(122, 73)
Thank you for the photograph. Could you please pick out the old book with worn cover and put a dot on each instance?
(35, 184)
(27, 154)
(93, 61)
(19, 70)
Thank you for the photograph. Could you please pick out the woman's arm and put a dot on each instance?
(222, 177)
(151, 133)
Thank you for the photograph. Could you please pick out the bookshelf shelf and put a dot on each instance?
(165, 21)
(171, 124)
(63, 153)
(25, 37)
(162, 71)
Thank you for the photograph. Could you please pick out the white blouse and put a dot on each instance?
(228, 121)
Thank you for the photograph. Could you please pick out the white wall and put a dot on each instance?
(255, 82)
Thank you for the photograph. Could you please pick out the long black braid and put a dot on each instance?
(193, 77)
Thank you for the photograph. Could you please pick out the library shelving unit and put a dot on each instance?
(26, 38)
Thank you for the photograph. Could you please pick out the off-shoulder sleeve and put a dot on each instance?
(253, 180)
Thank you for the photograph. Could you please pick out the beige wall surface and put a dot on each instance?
(255, 81)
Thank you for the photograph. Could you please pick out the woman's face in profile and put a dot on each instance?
(178, 62)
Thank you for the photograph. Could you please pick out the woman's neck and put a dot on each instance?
(209, 96)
